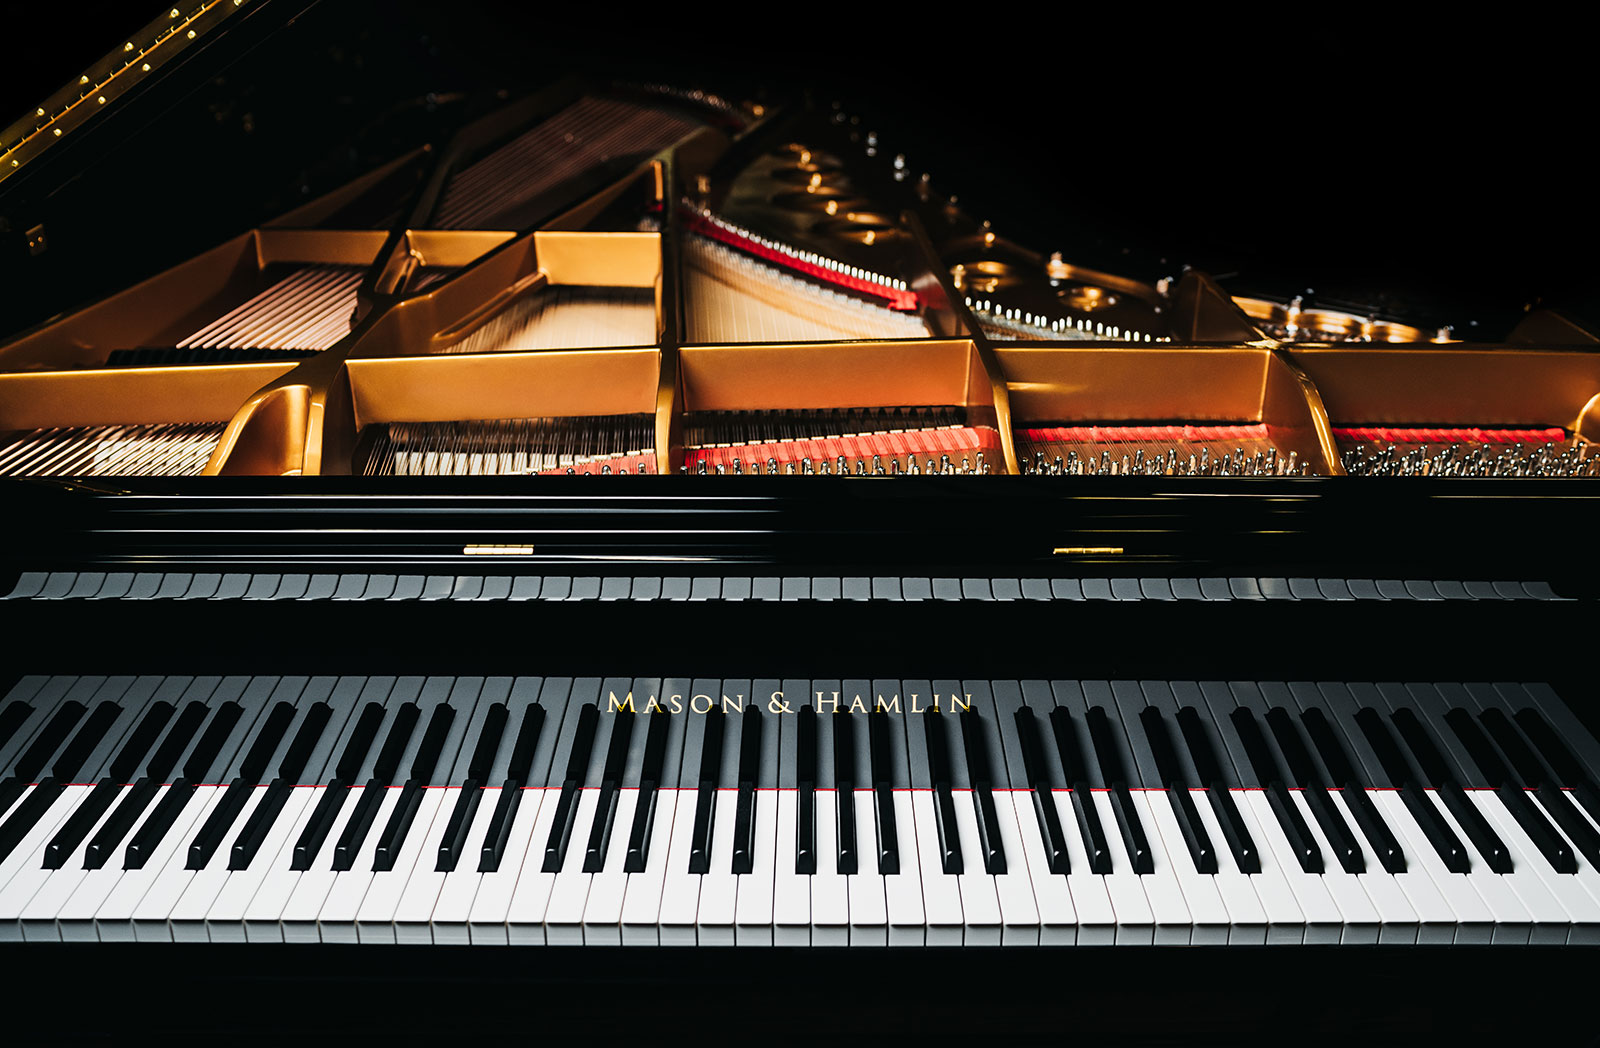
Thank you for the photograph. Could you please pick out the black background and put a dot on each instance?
(1433, 167)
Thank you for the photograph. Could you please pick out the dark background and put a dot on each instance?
(1436, 169)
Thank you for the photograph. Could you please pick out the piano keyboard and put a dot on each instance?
(162, 585)
(568, 318)
(588, 444)
(857, 441)
(793, 812)
(177, 450)
(732, 297)
(579, 138)
(1444, 451)
(1146, 450)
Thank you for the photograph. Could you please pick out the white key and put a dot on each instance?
(1174, 924)
(980, 903)
(1253, 923)
(1211, 919)
(903, 890)
(1581, 908)
(337, 920)
(563, 921)
(1097, 917)
(1426, 916)
(489, 920)
(1470, 920)
(1323, 918)
(1136, 916)
(261, 914)
(413, 916)
(1364, 922)
(298, 917)
(460, 886)
(530, 900)
(869, 906)
(755, 908)
(188, 916)
(1058, 918)
(225, 920)
(380, 907)
(75, 917)
(830, 891)
(602, 913)
(1586, 876)
(1514, 918)
(113, 919)
(719, 888)
(641, 905)
(1019, 913)
(149, 916)
(941, 893)
(38, 914)
(791, 892)
(680, 889)
(22, 865)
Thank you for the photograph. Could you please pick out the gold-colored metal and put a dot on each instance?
(833, 375)
(1088, 551)
(1203, 312)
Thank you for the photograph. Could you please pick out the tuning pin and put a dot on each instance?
(700, 467)
(842, 468)
(805, 465)
(737, 469)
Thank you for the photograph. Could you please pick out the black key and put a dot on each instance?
(1567, 767)
(505, 811)
(1094, 834)
(555, 848)
(706, 795)
(360, 741)
(1380, 838)
(50, 737)
(521, 768)
(1111, 768)
(1532, 772)
(11, 719)
(494, 726)
(1044, 808)
(1315, 791)
(155, 827)
(1194, 832)
(844, 796)
(197, 769)
(1550, 843)
(1572, 823)
(455, 829)
(254, 766)
(79, 823)
(883, 794)
(644, 811)
(209, 839)
(944, 806)
(427, 758)
(1234, 831)
(121, 820)
(355, 831)
(1529, 769)
(1306, 851)
(10, 789)
(805, 825)
(70, 761)
(399, 824)
(387, 766)
(605, 813)
(1439, 832)
(305, 740)
(979, 774)
(254, 833)
(28, 814)
(319, 825)
(1449, 791)
(126, 762)
(744, 817)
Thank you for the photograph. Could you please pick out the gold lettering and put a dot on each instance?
(738, 706)
(857, 706)
(891, 706)
(955, 700)
(654, 707)
(776, 704)
(625, 704)
(821, 699)
(694, 704)
(677, 703)
(913, 707)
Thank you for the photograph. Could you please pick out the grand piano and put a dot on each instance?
(406, 576)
